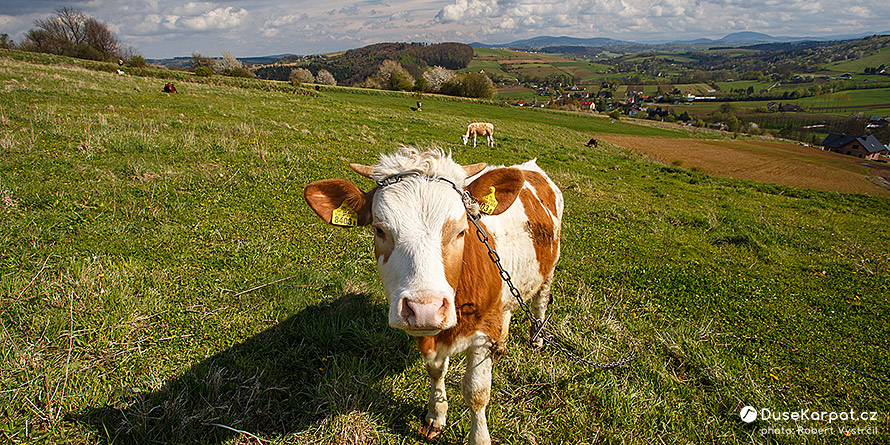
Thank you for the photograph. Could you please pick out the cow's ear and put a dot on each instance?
(496, 190)
(339, 202)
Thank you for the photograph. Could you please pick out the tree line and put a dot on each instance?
(356, 65)
(70, 32)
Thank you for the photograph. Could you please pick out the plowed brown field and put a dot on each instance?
(764, 161)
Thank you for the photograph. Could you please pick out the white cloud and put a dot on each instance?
(462, 10)
(216, 19)
(165, 27)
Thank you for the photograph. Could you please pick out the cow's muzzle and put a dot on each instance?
(426, 314)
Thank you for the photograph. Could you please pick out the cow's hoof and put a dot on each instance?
(429, 430)
(536, 343)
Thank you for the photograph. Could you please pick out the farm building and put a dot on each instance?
(868, 147)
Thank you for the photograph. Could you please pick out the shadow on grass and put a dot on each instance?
(328, 359)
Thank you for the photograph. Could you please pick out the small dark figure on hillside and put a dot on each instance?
(593, 143)
(120, 62)
(417, 108)
(169, 88)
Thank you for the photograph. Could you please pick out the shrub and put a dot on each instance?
(324, 77)
(436, 77)
(479, 85)
(242, 72)
(203, 71)
(137, 61)
(300, 76)
(421, 85)
(227, 64)
(201, 61)
(393, 76)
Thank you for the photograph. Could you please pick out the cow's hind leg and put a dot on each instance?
(539, 303)
(437, 408)
(476, 389)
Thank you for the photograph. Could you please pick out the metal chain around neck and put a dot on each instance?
(474, 216)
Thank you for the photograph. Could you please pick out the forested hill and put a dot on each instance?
(355, 65)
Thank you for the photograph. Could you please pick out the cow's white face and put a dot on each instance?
(419, 227)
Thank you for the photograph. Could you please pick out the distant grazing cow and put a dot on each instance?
(169, 88)
(593, 143)
(441, 284)
(479, 129)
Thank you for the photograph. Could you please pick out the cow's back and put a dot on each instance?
(527, 235)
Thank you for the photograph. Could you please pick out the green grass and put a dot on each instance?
(133, 220)
(872, 60)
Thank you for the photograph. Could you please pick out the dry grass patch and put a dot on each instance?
(761, 161)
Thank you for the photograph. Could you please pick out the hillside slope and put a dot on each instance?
(161, 279)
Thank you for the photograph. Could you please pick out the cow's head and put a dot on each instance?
(420, 226)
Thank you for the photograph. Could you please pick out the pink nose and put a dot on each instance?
(424, 312)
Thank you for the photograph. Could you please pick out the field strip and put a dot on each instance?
(762, 161)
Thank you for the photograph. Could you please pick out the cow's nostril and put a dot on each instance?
(407, 312)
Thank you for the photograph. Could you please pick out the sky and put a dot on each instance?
(163, 28)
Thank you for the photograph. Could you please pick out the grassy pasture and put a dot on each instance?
(858, 65)
(136, 224)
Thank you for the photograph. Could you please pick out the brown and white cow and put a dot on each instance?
(441, 285)
(479, 129)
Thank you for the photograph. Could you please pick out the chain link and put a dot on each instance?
(536, 323)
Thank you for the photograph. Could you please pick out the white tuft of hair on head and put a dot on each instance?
(433, 162)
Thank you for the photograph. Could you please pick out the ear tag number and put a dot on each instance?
(489, 202)
(344, 216)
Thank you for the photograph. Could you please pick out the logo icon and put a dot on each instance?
(748, 414)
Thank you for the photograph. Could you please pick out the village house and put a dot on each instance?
(867, 147)
(875, 122)
(633, 91)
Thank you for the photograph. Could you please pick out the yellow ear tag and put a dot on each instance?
(344, 216)
(489, 202)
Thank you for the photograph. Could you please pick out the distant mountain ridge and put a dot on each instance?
(736, 38)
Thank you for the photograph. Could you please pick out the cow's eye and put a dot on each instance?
(380, 232)
(461, 234)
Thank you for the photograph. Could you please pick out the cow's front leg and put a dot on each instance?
(501, 345)
(539, 305)
(437, 408)
(476, 388)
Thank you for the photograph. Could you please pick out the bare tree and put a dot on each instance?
(68, 24)
(6, 42)
(98, 36)
(199, 60)
(72, 33)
